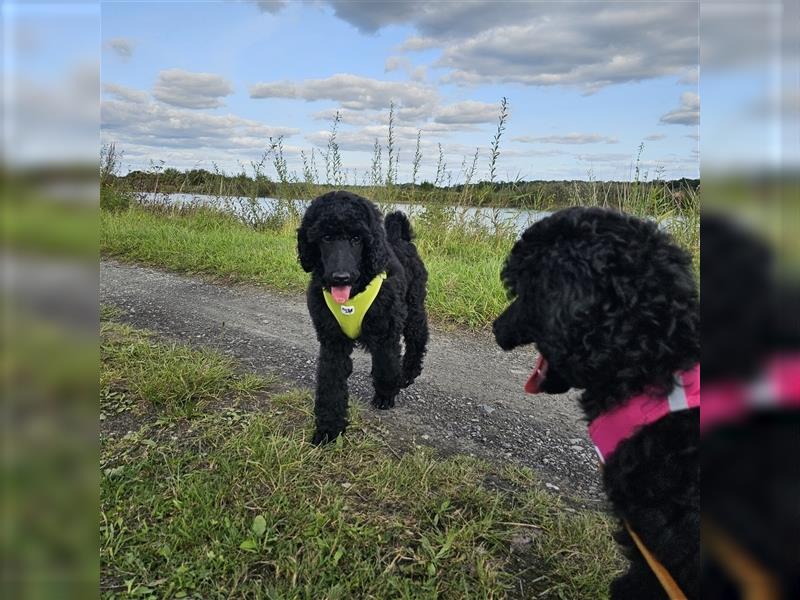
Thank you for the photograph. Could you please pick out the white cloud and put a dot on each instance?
(654, 137)
(405, 139)
(417, 44)
(350, 117)
(585, 44)
(394, 63)
(408, 118)
(419, 73)
(191, 90)
(120, 92)
(353, 92)
(692, 76)
(604, 157)
(369, 17)
(467, 112)
(569, 138)
(688, 113)
(529, 152)
(270, 6)
(157, 126)
(401, 63)
(547, 54)
(364, 138)
(122, 47)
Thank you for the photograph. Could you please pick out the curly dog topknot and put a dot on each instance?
(611, 303)
(345, 244)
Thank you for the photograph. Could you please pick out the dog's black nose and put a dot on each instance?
(340, 278)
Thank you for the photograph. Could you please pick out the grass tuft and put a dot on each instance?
(171, 378)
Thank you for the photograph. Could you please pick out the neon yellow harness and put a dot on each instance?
(351, 313)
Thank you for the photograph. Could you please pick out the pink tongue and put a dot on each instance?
(340, 293)
(536, 379)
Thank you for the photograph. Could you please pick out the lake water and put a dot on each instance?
(489, 218)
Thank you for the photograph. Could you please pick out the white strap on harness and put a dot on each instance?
(677, 398)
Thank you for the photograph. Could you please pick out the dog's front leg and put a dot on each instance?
(330, 403)
(386, 372)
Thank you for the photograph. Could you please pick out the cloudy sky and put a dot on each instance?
(194, 83)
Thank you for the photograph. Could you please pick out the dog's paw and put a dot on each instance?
(407, 381)
(322, 437)
(409, 377)
(383, 402)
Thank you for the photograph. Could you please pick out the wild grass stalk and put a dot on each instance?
(314, 171)
(308, 173)
(417, 161)
(495, 147)
(377, 165)
(333, 159)
(441, 167)
(469, 173)
(390, 149)
(278, 159)
(110, 161)
(114, 194)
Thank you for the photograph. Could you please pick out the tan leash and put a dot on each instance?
(666, 580)
(670, 586)
(755, 582)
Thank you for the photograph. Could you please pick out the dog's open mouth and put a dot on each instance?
(536, 380)
(341, 293)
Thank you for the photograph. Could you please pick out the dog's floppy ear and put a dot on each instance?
(307, 251)
(376, 256)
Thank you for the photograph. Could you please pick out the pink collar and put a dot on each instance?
(610, 429)
(776, 386)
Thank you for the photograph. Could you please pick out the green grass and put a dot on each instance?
(204, 241)
(175, 380)
(464, 286)
(233, 501)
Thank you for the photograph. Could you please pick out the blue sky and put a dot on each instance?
(196, 83)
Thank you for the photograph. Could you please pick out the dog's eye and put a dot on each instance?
(356, 239)
(327, 238)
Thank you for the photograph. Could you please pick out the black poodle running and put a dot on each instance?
(367, 287)
(611, 303)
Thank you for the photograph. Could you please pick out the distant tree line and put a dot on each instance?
(515, 193)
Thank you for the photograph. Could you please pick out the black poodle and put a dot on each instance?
(350, 252)
(611, 303)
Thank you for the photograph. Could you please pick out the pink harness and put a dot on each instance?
(777, 386)
(610, 429)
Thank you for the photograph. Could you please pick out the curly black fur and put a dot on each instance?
(611, 303)
(737, 298)
(398, 310)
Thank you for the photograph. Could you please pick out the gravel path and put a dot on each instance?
(468, 400)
